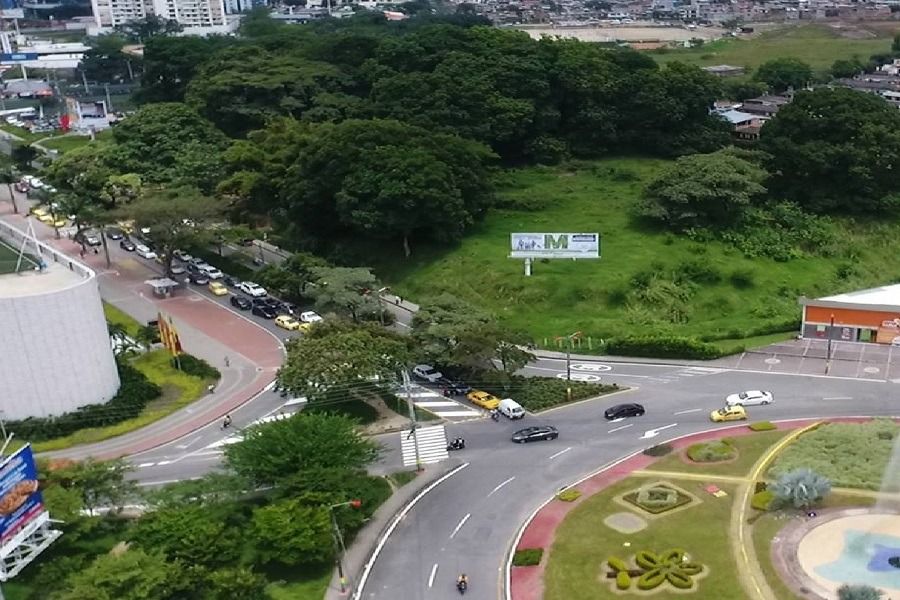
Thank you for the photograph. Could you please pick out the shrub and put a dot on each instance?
(527, 557)
(623, 580)
(196, 367)
(714, 451)
(658, 450)
(763, 426)
(616, 564)
(657, 497)
(760, 486)
(858, 592)
(537, 393)
(651, 580)
(762, 500)
(663, 347)
(742, 279)
(698, 271)
(800, 488)
(570, 495)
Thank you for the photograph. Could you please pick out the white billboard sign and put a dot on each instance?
(554, 245)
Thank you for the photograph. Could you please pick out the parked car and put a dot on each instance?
(287, 322)
(176, 269)
(310, 317)
(21, 187)
(91, 238)
(212, 272)
(144, 252)
(423, 372)
(241, 302)
(620, 411)
(198, 279)
(533, 434)
(729, 413)
(483, 399)
(231, 281)
(127, 245)
(182, 256)
(114, 233)
(454, 386)
(252, 289)
(751, 398)
(217, 289)
(264, 311)
(289, 309)
(511, 409)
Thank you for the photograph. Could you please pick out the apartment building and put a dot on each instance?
(196, 16)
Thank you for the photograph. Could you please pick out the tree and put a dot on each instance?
(236, 583)
(780, 74)
(105, 61)
(800, 488)
(290, 533)
(196, 534)
(341, 360)
(274, 451)
(100, 483)
(704, 190)
(142, 30)
(293, 277)
(345, 291)
(846, 68)
(211, 489)
(859, 591)
(23, 156)
(84, 170)
(177, 218)
(128, 575)
(9, 176)
(742, 89)
(171, 62)
(835, 150)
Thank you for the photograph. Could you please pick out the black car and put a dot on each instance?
(191, 268)
(198, 279)
(241, 302)
(287, 308)
(620, 411)
(231, 281)
(534, 434)
(114, 233)
(264, 311)
(263, 302)
(127, 245)
(454, 386)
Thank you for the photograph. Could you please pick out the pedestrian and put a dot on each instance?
(399, 301)
(211, 388)
(227, 362)
(227, 422)
(82, 252)
(96, 251)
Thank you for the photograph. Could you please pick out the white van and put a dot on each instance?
(511, 409)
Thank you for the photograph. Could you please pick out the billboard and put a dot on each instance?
(554, 245)
(20, 500)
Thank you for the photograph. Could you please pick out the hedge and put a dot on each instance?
(715, 451)
(570, 495)
(616, 564)
(537, 393)
(191, 365)
(658, 450)
(527, 557)
(766, 329)
(762, 500)
(762, 426)
(623, 580)
(663, 347)
(134, 393)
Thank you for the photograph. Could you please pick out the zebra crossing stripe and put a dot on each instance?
(432, 443)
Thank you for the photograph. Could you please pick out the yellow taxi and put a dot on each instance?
(483, 399)
(287, 322)
(39, 211)
(305, 327)
(729, 413)
(59, 222)
(217, 288)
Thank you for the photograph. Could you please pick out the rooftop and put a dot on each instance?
(888, 295)
(32, 282)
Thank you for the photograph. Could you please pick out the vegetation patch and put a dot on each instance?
(658, 450)
(848, 454)
(762, 500)
(540, 393)
(657, 498)
(652, 570)
(762, 426)
(569, 495)
(527, 557)
(714, 451)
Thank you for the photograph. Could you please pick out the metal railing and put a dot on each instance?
(16, 239)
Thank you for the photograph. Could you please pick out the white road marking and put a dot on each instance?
(619, 420)
(579, 376)
(188, 444)
(684, 412)
(433, 573)
(456, 413)
(436, 403)
(164, 462)
(655, 432)
(615, 374)
(559, 453)
(496, 489)
(590, 367)
(145, 465)
(838, 398)
(620, 428)
(461, 523)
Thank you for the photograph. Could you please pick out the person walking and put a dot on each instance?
(211, 388)
(227, 422)
(227, 362)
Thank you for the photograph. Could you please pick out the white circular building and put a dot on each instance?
(55, 353)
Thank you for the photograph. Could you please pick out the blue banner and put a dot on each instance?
(18, 56)
(20, 499)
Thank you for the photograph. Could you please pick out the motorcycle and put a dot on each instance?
(462, 585)
(457, 444)
(495, 415)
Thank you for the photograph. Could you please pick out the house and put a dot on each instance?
(724, 70)
(765, 106)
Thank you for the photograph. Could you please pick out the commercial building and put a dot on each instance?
(56, 353)
(865, 316)
(196, 16)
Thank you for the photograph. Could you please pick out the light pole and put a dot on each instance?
(828, 352)
(339, 549)
(569, 339)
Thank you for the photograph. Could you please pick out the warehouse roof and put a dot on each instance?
(888, 295)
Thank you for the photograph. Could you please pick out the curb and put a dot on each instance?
(784, 424)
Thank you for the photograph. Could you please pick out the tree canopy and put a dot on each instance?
(783, 73)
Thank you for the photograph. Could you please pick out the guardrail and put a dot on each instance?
(15, 238)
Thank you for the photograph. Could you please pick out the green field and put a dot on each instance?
(9, 257)
(65, 143)
(817, 45)
(593, 296)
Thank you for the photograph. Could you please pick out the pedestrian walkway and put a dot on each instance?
(442, 406)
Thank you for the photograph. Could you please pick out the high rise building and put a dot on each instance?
(194, 15)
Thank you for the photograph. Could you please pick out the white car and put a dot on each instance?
(252, 289)
(212, 272)
(427, 373)
(751, 398)
(144, 252)
(309, 317)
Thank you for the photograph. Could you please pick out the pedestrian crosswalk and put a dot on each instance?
(433, 402)
(431, 442)
(688, 372)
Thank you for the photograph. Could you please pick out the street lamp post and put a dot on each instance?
(569, 340)
(339, 549)
(828, 352)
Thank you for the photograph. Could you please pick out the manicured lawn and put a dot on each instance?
(817, 45)
(851, 455)
(750, 448)
(69, 142)
(583, 542)
(593, 296)
(401, 478)
(179, 390)
(117, 317)
(299, 584)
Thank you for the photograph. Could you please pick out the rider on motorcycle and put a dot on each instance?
(462, 581)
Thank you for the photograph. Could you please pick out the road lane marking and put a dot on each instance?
(145, 465)
(684, 412)
(165, 462)
(496, 489)
(838, 398)
(188, 444)
(559, 453)
(461, 523)
(433, 573)
(620, 428)
(655, 432)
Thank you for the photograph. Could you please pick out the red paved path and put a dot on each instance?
(526, 583)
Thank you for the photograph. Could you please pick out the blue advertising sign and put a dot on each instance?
(18, 56)
(20, 500)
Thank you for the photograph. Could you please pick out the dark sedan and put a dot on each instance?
(127, 245)
(241, 303)
(114, 233)
(264, 311)
(454, 386)
(198, 279)
(534, 434)
(620, 411)
(231, 281)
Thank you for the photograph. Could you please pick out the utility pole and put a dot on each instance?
(828, 353)
(412, 416)
(338, 538)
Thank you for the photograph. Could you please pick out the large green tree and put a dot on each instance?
(100, 483)
(129, 575)
(291, 533)
(170, 64)
(271, 452)
(783, 73)
(835, 150)
(195, 534)
(105, 61)
(346, 291)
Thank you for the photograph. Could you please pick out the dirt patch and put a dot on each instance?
(625, 522)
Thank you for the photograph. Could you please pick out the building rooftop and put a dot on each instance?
(32, 282)
(888, 295)
(736, 117)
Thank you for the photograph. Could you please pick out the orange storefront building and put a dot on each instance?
(866, 316)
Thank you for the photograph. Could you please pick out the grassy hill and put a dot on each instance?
(817, 45)
(704, 289)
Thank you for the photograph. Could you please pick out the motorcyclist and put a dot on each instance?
(495, 414)
(226, 422)
(462, 582)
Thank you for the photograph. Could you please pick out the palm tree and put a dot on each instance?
(9, 176)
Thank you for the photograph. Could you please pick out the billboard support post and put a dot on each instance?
(529, 246)
(527, 274)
